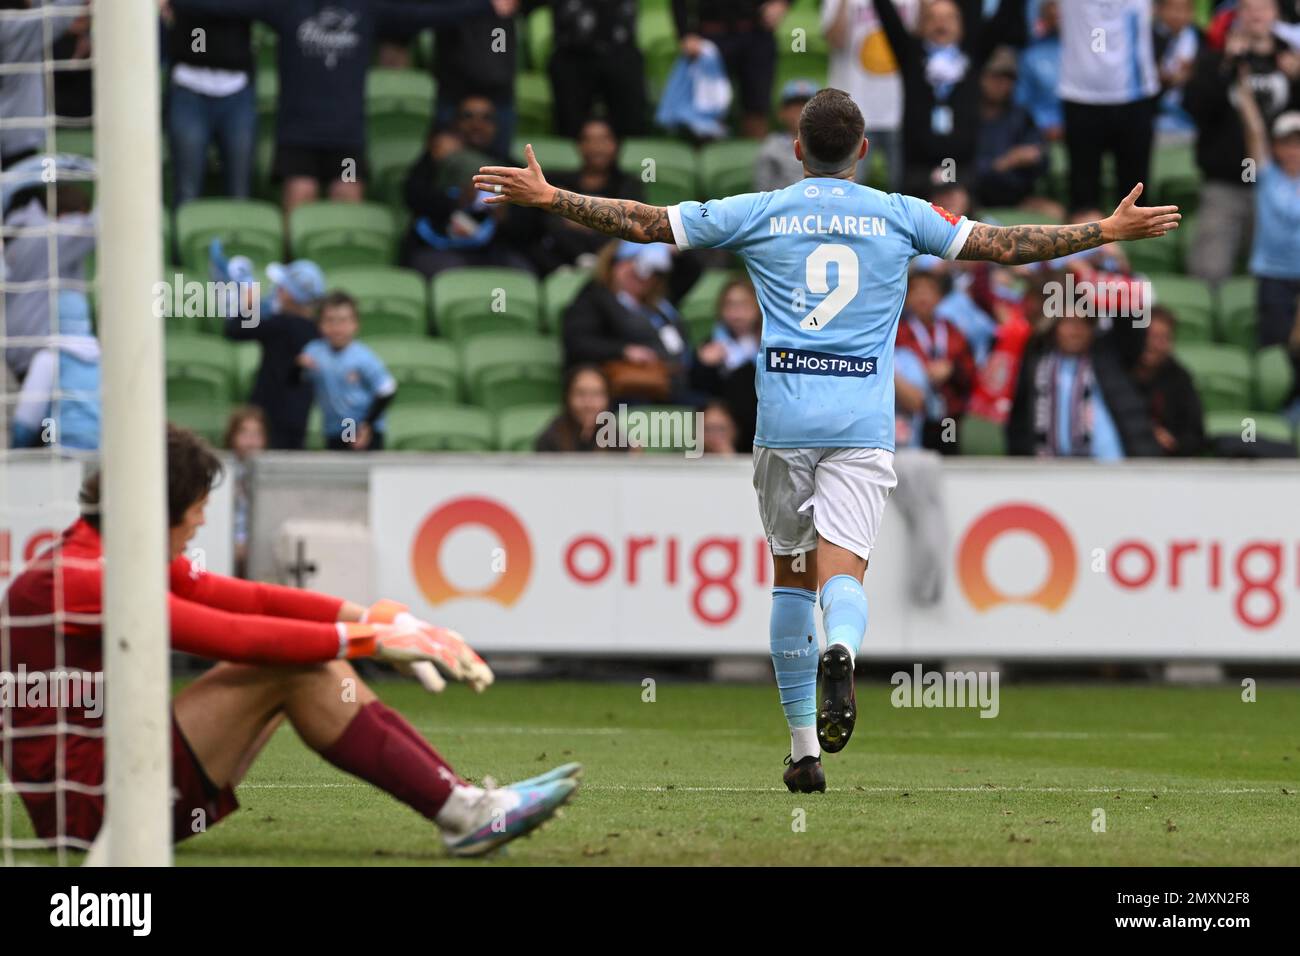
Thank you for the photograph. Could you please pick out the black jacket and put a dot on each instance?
(1209, 97)
(324, 54)
(923, 147)
(1173, 404)
(1113, 355)
(597, 327)
(279, 388)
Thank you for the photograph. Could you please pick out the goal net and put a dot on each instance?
(82, 391)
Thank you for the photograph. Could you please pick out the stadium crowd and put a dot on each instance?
(322, 154)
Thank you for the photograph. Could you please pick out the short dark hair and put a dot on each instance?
(831, 128)
(336, 298)
(192, 470)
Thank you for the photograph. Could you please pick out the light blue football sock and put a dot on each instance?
(793, 641)
(844, 612)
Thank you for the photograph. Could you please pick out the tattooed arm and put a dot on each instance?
(623, 218)
(1013, 245)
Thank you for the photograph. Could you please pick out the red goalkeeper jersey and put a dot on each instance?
(212, 616)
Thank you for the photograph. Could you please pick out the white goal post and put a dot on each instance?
(138, 828)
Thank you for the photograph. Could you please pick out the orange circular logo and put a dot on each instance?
(516, 551)
(1017, 517)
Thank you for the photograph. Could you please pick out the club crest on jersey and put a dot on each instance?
(945, 213)
(804, 362)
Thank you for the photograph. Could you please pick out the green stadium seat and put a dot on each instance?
(315, 435)
(505, 371)
(1274, 377)
(398, 103)
(391, 158)
(1238, 312)
(553, 152)
(518, 428)
(266, 44)
(699, 307)
(727, 168)
(337, 235)
(979, 436)
(538, 37)
(79, 141)
(1149, 256)
(662, 436)
(1175, 176)
(1239, 423)
(1010, 216)
(1222, 374)
(481, 300)
(533, 103)
(391, 301)
(199, 368)
(427, 370)
(439, 428)
(206, 418)
(1191, 302)
(248, 359)
(673, 171)
(247, 227)
(559, 289)
(267, 96)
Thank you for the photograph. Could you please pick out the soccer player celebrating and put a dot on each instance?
(829, 260)
(286, 656)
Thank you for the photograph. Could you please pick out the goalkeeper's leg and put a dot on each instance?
(228, 715)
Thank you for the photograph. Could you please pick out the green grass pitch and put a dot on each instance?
(1184, 776)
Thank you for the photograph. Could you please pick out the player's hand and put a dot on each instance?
(438, 652)
(523, 187)
(1139, 222)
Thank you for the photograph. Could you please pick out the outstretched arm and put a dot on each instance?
(623, 218)
(1014, 245)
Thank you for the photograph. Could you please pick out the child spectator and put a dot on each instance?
(776, 167)
(59, 402)
(1167, 387)
(586, 395)
(286, 324)
(353, 386)
(1275, 256)
(719, 431)
(949, 365)
(246, 438)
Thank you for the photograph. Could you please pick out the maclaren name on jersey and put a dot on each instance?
(826, 226)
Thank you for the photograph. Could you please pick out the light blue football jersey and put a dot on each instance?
(829, 261)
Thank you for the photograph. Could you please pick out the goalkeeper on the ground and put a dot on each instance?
(284, 655)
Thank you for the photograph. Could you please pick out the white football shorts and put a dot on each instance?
(838, 493)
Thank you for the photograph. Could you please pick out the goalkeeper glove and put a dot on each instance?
(454, 658)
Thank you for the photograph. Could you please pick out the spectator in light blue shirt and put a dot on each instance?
(352, 384)
(1275, 256)
(1040, 72)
